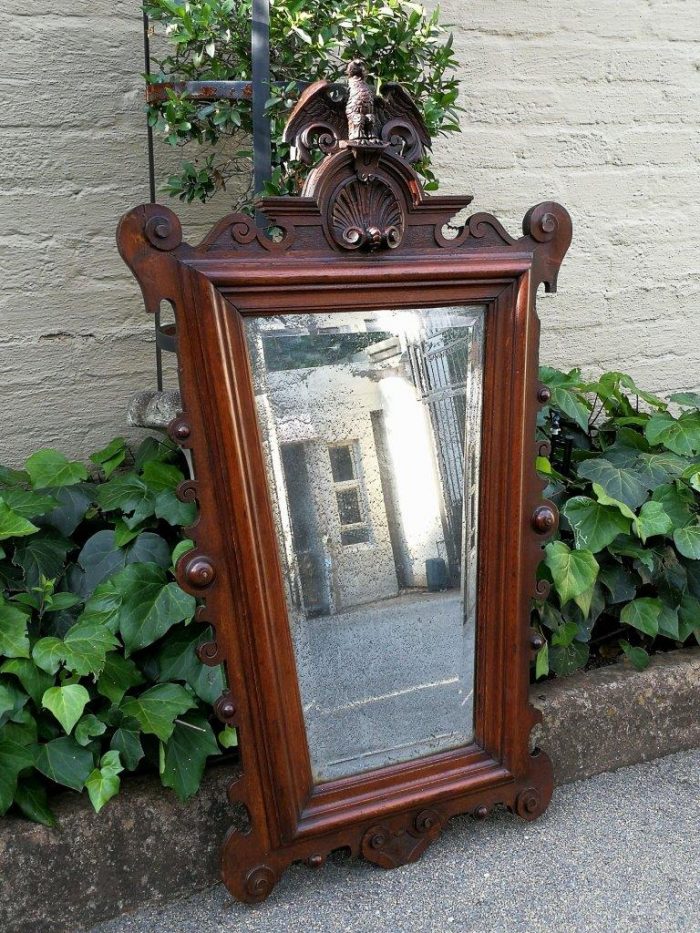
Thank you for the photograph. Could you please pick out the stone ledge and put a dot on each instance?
(147, 847)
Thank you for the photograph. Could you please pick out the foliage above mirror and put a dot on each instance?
(208, 41)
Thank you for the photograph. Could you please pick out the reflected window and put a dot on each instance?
(348, 494)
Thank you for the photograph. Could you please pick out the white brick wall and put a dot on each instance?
(595, 103)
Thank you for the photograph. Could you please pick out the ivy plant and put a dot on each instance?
(209, 40)
(625, 567)
(98, 670)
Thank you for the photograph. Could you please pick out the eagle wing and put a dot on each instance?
(318, 119)
(398, 116)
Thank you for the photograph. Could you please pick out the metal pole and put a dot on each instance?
(262, 146)
(152, 188)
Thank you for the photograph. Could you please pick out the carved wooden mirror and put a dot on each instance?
(360, 393)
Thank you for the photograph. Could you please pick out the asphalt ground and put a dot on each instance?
(618, 853)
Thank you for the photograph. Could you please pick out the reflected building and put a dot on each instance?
(370, 423)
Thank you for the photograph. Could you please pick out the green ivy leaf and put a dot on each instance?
(50, 468)
(157, 708)
(103, 783)
(182, 547)
(619, 582)
(177, 660)
(27, 503)
(111, 456)
(129, 494)
(119, 674)
(34, 680)
(677, 501)
(570, 404)
(689, 399)
(186, 754)
(628, 547)
(228, 737)
(595, 526)
(42, 555)
(688, 617)
(159, 476)
(687, 540)
(73, 503)
(128, 743)
(14, 758)
(14, 641)
(32, 800)
(65, 762)
(566, 659)
(66, 703)
(668, 622)
(652, 521)
(150, 605)
(48, 653)
(171, 510)
(12, 524)
(573, 572)
(638, 656)
(88, 727)
(643, 614)
(85, 647)
(618, 482)
(681, 435)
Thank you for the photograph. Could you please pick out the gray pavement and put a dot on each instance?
(618, 853)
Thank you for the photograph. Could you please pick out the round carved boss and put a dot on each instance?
(365, 214)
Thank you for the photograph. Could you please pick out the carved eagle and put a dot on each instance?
(328, 113)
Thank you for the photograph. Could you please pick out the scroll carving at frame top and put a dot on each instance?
(371, 430)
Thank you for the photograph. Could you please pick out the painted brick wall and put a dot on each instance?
(595, 103)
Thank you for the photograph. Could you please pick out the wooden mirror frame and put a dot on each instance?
(394, 252)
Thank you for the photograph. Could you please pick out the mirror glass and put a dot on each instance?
(370, 424)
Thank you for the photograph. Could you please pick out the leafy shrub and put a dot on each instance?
(98, 672)
(625, 567)
(310, 40)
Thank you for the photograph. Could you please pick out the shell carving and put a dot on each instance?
(365, 214)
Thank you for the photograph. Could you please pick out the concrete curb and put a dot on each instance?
(146, 847)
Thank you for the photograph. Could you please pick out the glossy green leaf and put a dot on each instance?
(62, 760)
(150, 605)
(50, 468)
(32, 800)
(14, 640)
(88, 728)
(42, 555)
(619, 582)
(128, 743)
(228, 737)
(33, 679)
(48, 653)
(638, 656)
(103, 783)
(652, 521)
(677, 501)
(85, 646)
(27, 502)
(688, 617)
(565, 659)
(12, 524)
(681, 435)
(573, 572)
(157, 708)
(687, 540)
(186, 753)
(177, 660)
(119, 674)
(14, 758)
(643, 614)
(595, 526)
(66, 703)
(688, 399)
(111, 456)
(620, 483)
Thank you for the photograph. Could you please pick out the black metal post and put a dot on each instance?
(152, 189)
(262, 146)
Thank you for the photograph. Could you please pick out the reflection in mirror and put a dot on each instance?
(370, 423)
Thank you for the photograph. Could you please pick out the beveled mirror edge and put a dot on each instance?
(289, 821)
